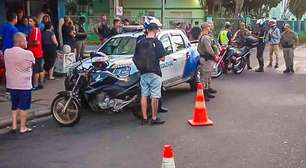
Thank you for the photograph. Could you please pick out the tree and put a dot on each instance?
(259, 8)
(297, 8)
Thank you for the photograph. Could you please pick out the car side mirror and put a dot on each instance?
(92, 54)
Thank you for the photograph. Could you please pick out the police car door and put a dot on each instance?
(180, 50)
(167, 66)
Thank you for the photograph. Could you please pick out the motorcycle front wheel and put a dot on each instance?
(67, 117)
(239, 66)
(216, 70)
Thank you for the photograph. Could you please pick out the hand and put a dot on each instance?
(216, 58)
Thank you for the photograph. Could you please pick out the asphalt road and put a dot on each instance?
(260, 121)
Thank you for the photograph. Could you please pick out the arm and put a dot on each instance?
(160, 51)
(54, 40)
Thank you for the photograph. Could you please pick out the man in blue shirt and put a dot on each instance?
(8, 30)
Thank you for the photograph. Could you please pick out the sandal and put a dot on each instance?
(27, 130)
(52, 78)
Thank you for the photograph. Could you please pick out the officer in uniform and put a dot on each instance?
(207, 55)
(261, 35)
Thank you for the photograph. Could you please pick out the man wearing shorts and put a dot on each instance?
(150, 79)
(18, 63)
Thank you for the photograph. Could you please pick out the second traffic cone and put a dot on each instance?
(200, 112)
(168, 157)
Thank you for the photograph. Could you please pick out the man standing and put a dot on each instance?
(207, 55)
(226, 35)
(274, 36)
(18, 63)
(116, 27)
(261, 35)
(148, 53)
(239, 39)
(103, 29)
(80, 38)
(288, 42)
(8, 30)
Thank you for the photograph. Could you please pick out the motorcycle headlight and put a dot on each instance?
(121, 70)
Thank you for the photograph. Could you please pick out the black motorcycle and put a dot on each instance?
(234, 59)
(97, 87)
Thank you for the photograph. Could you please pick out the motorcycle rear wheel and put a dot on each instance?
(70, 116)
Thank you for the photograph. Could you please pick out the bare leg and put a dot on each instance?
(36, 78)
(14, 118)
(23, 120)
(41, 77)
(154, 104)
(51, 73)
(144, 102)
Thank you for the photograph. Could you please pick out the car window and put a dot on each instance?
(119, 46)
(167, 44)
(178, 42)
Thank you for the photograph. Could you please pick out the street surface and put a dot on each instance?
(260, 122)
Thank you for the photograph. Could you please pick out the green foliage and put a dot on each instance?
(71, 7)
(260, 8)
(297, 8)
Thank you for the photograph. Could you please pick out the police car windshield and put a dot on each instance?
(119, 46)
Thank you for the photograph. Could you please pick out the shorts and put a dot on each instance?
(150, 85)
(39, 65)
(21, 99)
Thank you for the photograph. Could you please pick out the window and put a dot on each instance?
(119, 46)
(178, 42)
(167, 44)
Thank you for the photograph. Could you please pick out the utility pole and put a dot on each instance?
(163, 2)
(116, 4)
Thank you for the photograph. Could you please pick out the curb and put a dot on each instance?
(32, 114)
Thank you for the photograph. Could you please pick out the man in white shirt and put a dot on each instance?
(18, 64)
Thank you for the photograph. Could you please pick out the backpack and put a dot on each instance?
(144, 57)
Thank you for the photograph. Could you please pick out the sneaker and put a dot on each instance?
(259, 70)
(144, 121)
(158, 121)
(40, 86)
(286, 71)
(208, 95)
(270, 65)
(210, 90)
(276, 66)
(163, 110)
(249, 68)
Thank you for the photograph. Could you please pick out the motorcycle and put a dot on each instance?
(233, 59)
(97, 87)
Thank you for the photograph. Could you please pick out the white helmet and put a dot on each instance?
(66, 48)
(261, 22)
(151, 19)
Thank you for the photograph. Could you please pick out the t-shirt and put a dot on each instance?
(18, 64)
(35, 35)
(67, 38)
(159, 53)
(7, 32)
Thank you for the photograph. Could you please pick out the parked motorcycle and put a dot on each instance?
(97, 87)
(233, 59)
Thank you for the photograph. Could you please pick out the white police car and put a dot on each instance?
(180, 65)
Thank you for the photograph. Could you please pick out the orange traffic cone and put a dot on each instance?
(200, 113)
(168, 157)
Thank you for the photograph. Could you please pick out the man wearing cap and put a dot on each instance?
(148, 53)
(288, 41)
(274, 36)
(207, 55)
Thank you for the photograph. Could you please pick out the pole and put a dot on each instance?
(116, 4)
(163, 11)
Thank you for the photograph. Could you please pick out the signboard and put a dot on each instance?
(119, 11)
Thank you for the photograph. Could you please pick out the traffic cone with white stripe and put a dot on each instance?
(168, 157)
(200, 112)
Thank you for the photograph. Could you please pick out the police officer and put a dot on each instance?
(226, 35)
(207, 55)
(261, 35)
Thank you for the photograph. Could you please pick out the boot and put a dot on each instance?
(212, 91)
(287, 70)
(208, 95)
(270, 65)
(291, 69)
(260, 69)
(276, 65)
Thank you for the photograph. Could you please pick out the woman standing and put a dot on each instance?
(35, 45)
(49, 47)
(68, 32)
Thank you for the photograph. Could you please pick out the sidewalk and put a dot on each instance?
(41, 101)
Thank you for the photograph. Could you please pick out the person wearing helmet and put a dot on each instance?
(226, 35)
(260, 33)
(274, 37)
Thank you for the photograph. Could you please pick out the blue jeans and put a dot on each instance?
(150, 85)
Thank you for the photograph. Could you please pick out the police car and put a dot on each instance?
(181, 60)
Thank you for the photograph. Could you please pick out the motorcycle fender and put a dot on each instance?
(66, 93)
